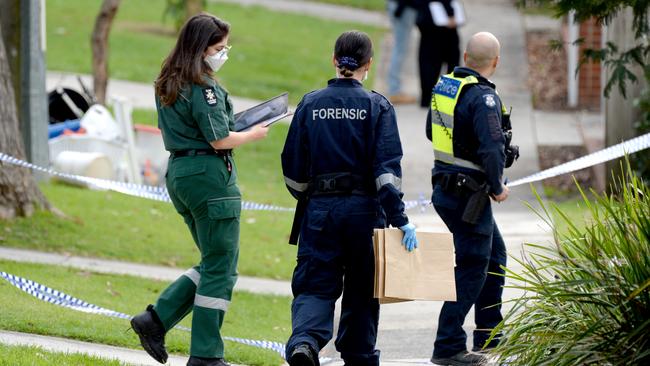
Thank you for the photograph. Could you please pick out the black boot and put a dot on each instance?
(461, 359)
(303, 355)
(149, 328)
(200, 361)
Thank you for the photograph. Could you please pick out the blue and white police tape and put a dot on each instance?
(613, 152)
(55, 297)
(137, 190)
(160, 193)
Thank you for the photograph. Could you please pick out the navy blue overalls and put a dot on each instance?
(478, 138)
(341, 133)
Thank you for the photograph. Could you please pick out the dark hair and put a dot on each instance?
(352, 50)
(185, 63)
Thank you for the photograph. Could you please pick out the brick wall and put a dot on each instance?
(589, 83)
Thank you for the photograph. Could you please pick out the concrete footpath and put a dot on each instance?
(64, 345)
(162, 273)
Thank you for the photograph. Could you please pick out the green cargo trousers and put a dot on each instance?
(205, 193)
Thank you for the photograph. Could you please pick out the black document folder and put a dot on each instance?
(267, 112)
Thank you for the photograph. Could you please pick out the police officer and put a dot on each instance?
(469, 143)
(196, 118)
(342, 156)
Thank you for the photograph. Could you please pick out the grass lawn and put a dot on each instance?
(272, 52)
(575, 210)
(378, 5)
(538, 9)
(145, 117)
(250, 316)
(571, 204)
(116, 226)
(35, 356)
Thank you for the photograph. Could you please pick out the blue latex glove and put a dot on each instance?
(409, 241)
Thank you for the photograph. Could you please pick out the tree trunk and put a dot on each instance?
(99, 44)
(19, 194)
(193, 7)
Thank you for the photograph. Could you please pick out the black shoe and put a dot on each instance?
(461, 359)
(482, 351)
(490, 346)
(303, 356)
(200, 361)
(152, 334)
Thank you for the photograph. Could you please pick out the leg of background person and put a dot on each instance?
(316, 284)
(357, 333)
(452, 50)
(487, 315)
(430, 62)
(402, 27)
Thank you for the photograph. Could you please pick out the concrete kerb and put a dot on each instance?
(64, 345)
(333, 12)
(139, 95)
(244, 283)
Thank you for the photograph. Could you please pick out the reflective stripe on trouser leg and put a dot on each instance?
(178, 298)
(219, 243)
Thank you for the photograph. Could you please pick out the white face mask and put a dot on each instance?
(217, 60)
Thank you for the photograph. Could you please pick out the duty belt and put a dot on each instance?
(465, 186)
(341, 183)
(456, 183)
(200, 152)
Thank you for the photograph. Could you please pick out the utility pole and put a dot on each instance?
(33, 110)
(23, 23)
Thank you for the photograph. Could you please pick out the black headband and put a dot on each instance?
(348, 62)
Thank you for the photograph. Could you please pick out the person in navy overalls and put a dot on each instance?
(342, 158)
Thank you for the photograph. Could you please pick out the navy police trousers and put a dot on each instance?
(479, 249)
(335, 256)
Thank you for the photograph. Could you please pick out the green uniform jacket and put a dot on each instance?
(200, 115)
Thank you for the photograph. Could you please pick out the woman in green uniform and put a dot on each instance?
(196, 118)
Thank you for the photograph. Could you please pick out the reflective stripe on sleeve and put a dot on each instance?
(193, 275)
(388, 178)
(300, 187)
(211, 302)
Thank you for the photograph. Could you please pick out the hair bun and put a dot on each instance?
(348, 62)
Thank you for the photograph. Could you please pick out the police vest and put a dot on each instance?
(443, 102)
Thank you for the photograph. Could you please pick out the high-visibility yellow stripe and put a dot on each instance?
(450, 159)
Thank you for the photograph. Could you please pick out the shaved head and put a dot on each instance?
(482, 50)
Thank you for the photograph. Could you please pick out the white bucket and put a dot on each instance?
(87, 164)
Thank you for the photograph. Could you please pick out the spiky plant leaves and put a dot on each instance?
(587, 299)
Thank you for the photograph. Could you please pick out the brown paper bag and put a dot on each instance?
(424, 274)
(380, 267)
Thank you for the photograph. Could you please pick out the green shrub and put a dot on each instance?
(587, 300)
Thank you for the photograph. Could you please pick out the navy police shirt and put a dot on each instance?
(344, 128)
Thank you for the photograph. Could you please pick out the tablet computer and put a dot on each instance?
(267, 112)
